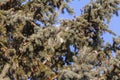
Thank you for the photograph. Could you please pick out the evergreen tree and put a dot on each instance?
(31, 46)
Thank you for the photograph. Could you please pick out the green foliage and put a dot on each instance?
(31, 50)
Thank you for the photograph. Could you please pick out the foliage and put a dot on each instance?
(42, 51)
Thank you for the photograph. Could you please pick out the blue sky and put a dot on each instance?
(114, 25)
